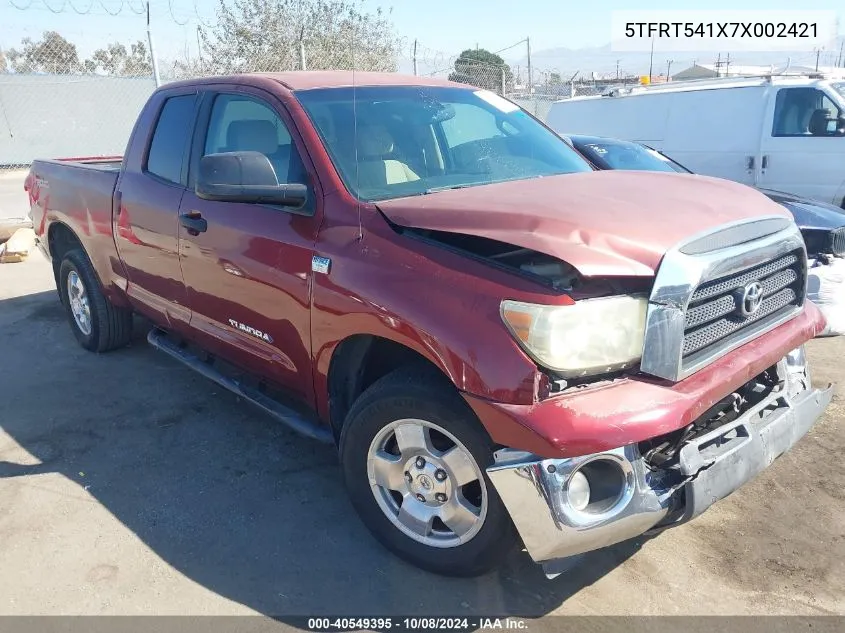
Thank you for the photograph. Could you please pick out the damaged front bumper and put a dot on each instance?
(628, 496)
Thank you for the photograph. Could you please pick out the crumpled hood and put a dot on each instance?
(809, 213)
(604, 223)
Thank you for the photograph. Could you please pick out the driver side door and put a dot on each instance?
(247, 274)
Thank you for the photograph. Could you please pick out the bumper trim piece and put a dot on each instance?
(709, 468)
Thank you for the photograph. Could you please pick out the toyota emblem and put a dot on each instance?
(752, 298)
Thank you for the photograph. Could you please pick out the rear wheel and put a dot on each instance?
(413, 458)
(98, 325)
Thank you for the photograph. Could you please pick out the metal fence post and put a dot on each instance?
(153, 58)
(302, 49)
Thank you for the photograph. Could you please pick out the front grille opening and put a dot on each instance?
(662, 452)
(715, 310)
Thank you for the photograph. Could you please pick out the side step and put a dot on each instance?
(294, 419)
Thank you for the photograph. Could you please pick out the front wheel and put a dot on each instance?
(413, 456)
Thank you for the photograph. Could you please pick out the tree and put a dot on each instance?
(3, 65)
(52, 54)
(479, 67)
(116, 60)
(264, 36)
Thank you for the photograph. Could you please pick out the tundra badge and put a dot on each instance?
(251, 330)
(320, 264)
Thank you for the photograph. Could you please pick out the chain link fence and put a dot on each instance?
(55, 102)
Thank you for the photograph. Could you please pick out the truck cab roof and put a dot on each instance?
(311, 79)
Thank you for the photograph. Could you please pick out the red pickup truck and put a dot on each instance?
(506, 346)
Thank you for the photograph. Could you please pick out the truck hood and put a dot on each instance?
(603, 223)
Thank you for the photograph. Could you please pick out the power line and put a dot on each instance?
(519, 43)
(120, 8)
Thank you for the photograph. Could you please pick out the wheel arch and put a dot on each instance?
(361, 359)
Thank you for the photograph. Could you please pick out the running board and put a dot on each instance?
(292, 418)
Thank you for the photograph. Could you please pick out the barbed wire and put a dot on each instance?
(77, 11)
(173, 17)
(119, 10)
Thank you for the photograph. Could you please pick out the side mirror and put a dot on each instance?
(247, 177)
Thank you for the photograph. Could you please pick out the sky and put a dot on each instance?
(442, 27)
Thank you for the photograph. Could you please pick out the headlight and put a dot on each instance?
(592, 336)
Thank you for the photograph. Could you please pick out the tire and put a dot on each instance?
(427, 399)
(106, 327)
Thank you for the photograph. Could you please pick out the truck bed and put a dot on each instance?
(79, 194)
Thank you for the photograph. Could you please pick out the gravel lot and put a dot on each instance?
(130, 485)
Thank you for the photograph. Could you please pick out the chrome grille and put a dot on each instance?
(714, 311)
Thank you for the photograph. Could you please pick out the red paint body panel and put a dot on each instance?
(586, 219)
(80, 197)
(636, 409)
(253, 266)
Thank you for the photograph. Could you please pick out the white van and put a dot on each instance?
(783, 133)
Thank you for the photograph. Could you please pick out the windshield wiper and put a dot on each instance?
(449, 187)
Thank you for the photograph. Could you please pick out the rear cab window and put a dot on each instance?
(169, 143)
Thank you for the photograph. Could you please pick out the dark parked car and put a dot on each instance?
(821, 224)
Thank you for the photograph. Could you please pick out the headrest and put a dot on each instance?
(818, 122)
(374, 141)
(257, 135)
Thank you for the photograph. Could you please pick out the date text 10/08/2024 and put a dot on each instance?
(415, 624)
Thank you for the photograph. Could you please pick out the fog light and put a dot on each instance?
(578, 491)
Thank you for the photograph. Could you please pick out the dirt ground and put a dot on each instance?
(130, 485)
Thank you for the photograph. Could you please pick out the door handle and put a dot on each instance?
(749, 163)
(193, 222)
(765, 162)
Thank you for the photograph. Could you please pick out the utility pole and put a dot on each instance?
(668, 66)
(199, 48)
(156, 75)
(840, 61)
(530, 76)
(651, 62)
(728, 65)
(818, 52)
(617, 69)
(415, 57)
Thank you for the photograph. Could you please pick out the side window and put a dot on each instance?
(804, 112)
(167, 149)
(239, 123)
(470, 123)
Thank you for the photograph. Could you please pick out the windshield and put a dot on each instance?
(397, 141)
(627, 156)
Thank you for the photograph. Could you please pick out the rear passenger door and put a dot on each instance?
(147, 201)
(248, 273)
